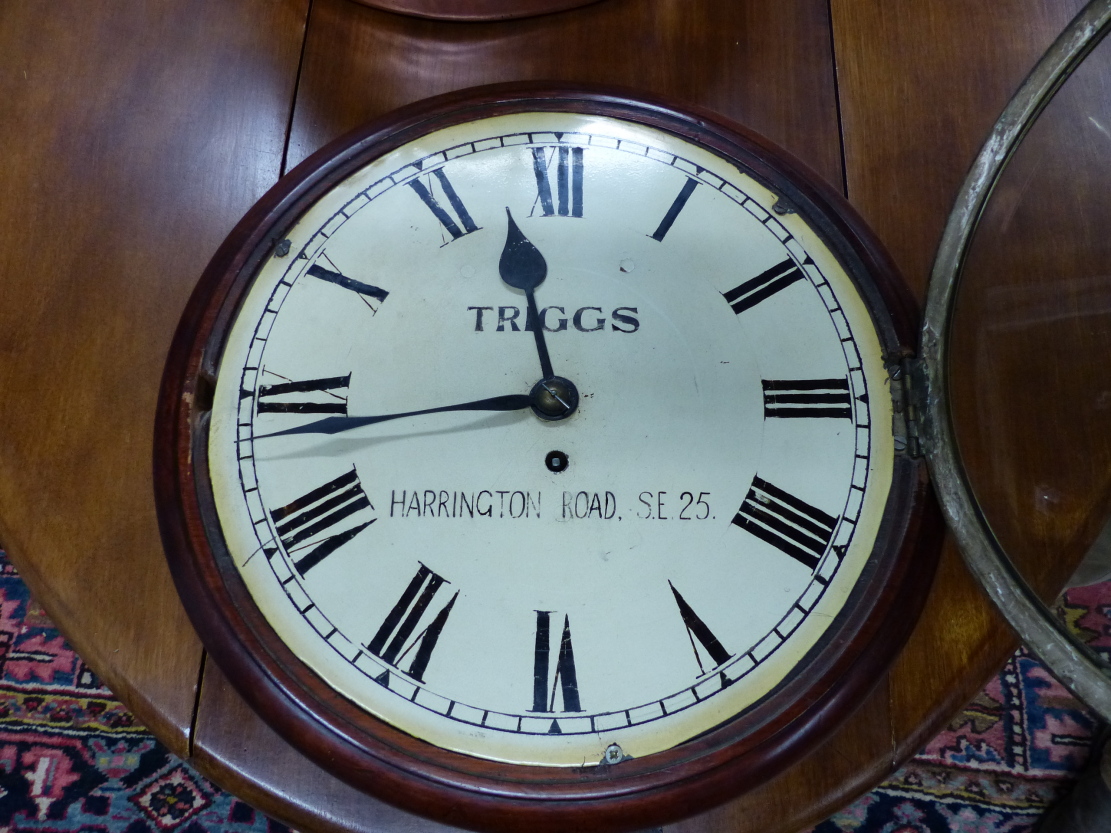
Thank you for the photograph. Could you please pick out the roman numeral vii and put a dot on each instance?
(394, 639)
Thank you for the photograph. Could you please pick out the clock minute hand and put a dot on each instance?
(523, 267)
(338, 424)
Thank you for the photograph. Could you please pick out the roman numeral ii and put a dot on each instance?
(763, 286)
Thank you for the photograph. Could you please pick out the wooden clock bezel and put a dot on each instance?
(463, 790)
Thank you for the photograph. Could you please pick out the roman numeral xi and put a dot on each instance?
(457, 225)
(394, 639)
(321, 510)
(790, 525)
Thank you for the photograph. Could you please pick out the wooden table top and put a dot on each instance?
(137, 133)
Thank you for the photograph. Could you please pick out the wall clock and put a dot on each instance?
(539, 456)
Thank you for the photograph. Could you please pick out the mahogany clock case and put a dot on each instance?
(461, 790)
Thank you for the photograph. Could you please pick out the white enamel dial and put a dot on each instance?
(531, 590)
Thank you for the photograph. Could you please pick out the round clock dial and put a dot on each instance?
(551, 437)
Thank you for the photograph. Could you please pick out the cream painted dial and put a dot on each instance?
(547, 438)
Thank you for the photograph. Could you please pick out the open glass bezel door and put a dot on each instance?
(1086, 674)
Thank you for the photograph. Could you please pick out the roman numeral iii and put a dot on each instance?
(787, 523)
(568, 200)
(802, 398)
(565, 679)
(321, 510)
(313, 396)
(763, 286)
(456, 226)
(394, 639)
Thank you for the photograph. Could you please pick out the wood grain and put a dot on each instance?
(472, 10)
(767, 65)
(135, 134)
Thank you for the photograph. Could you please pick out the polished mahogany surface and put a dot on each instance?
(136, 134)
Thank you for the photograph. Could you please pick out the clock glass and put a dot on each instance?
(551, 438)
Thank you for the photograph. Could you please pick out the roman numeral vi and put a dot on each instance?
(565, 677)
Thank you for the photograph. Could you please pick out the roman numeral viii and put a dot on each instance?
(568, 200)
(394, 639)
(321, 510)
(763, 286)
(456, 226)
(302, 398)
(797, 398)
(787, 523)
(565, 679)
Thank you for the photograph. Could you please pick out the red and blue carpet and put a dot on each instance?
(73, 760)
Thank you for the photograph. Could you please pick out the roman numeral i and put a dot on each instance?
(321, 510)
(790, 525)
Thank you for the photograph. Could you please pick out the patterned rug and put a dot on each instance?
(73, 760)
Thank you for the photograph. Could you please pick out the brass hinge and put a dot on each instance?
(908, 398)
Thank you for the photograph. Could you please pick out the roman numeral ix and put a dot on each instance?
(787, 523)
(297, 397)
(763, 286)
(565, 679)
(321, 510)
(569, 181)
(456, 226)
(800, 398)
(394, 639)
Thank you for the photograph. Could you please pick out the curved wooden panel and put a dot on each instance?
(135, 136)
(472, 10)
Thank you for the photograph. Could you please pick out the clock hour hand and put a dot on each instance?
(338, 424)
(523, 267)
